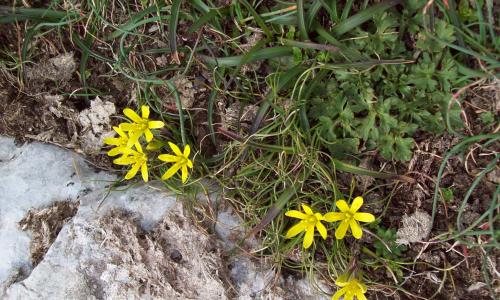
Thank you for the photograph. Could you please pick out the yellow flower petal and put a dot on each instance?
(356, 230)
(120, 132)
(145, 112)
(174, 148)
(318, 216)
(295, 229)
(130, 174)
(334, 216)
(321, 229)
(168, 158)
(118, 150)
(307, 209)
(349, 296)
(339, 293)
(309, 237)
(343, 280)
(189, 163)
(362, 286)
(342, 205)
(155, 124)
(134, 137)
(149, 135)
(171, 171)
(113, 141)
(360, 295)
(128, 126)
(184, 173)
(138, 147)
(356, 204)
(342, 229)
(124, 160)
(132, 116)
(187, 150)
(144, 172)
(364, 217)
(296, 214)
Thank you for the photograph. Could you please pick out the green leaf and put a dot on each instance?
(386, 143)
(443, 32)
(368, 124)
(487, 118)
(341, 148)
(403, 148)
(361, 17)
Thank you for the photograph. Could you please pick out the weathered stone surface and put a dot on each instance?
(131, 243)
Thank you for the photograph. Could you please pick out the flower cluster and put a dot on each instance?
(349, 218)
(350, 287)
(129, 137)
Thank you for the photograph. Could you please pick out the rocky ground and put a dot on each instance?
(68, 233)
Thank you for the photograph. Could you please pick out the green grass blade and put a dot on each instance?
(487, 169)
(347, 9)
(232, 61)
(453, 16)
(257, 18)
(274, 210)
(172, 28)
(345, 167)
(211, 101)
(302, 20)
(349, 53)
(203, 20)
(283, 81)
(456, 149)
(491, 24)
(131, 24)
(200, 5)
(178, 103)
(78, 41)
(10, 14)
(352, 22)
(309, 45)
(313, 11)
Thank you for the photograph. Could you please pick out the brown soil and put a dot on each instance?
(44, 225)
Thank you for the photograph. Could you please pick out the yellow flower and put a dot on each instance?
(138, 159)
(142, 125)
(308, 222)
(181, 161)
(119, 142)
(349, 217)
(350, 288)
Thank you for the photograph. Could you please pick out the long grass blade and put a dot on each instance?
(233, 61)
(352, 22)
(172, 29)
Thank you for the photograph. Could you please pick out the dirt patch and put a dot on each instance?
(95, 122)
(45, 224)
(174, 259)
(47, 100)
(58, 70)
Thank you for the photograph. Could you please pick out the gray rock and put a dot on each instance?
(129, 243)
(415, 228)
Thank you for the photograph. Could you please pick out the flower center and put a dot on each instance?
(183, 160)
(312, 220)
(141, 157)
(348, 215)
